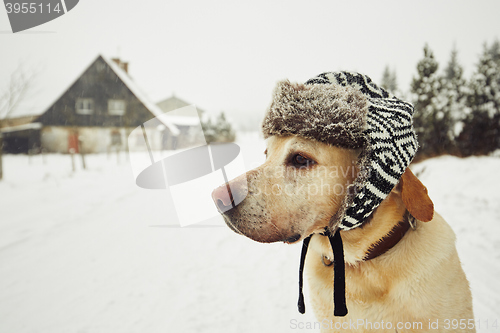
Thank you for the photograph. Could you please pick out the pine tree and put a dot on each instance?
(495, 51)
(389, 80)
(431, 126)
(224, 129)
(220, 131)
(481, 131)
(451, 100)
(208, 130)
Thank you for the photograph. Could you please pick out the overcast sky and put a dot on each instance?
(228, 55)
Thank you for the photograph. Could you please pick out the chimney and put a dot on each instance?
(123, 65)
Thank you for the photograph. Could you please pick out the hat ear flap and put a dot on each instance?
(415, 197)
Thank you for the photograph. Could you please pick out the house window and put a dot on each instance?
(85, 106)
(116, 107)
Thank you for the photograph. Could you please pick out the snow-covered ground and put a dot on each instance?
(465, 192)
(89, 251)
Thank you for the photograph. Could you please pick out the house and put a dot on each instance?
(187, 123)
(97, 113)
(172, 104)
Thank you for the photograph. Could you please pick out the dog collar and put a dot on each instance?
(391, 239)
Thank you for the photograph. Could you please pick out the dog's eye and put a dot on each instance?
(300, 161)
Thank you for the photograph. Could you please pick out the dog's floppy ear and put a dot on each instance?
(415, 197)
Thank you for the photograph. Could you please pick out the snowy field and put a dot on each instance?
(89, 251)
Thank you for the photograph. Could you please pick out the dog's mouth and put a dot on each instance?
(251, 219)
(255, 231)
(292, 239)
(230, 225)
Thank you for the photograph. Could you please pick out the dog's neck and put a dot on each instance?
(360, 243)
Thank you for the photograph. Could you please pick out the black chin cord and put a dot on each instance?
(340, 308)
(301, 303)
(339, 303)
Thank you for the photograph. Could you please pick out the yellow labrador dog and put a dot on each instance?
(402, 271)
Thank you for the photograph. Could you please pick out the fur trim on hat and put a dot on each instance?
(331, 114)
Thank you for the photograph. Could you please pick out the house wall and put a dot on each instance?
(55, 139)
(158, 139)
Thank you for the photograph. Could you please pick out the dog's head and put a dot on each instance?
(299, 188)
(319, 134)
(293, 194)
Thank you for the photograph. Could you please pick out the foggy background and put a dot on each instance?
(83, 249)
(227, 56)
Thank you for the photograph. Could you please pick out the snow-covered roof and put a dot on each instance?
(172, 103)
(174, 109)
(21, 127)
(141, 96)
(182, 120)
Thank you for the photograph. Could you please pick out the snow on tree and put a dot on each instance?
(224, 129)
(208, 130)
(389, 80)
(451, 99)
(220, 131)
(431, 124)
(481, 131)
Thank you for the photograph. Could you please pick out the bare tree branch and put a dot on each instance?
(17, 89)
(19, 86)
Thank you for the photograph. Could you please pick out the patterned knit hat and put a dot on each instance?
(348, 110)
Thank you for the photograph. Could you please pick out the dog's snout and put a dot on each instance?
(223, 198)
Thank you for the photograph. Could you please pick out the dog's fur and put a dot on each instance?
(419, 280)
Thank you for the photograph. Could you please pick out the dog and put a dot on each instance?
(417, 285)
(337, 177)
